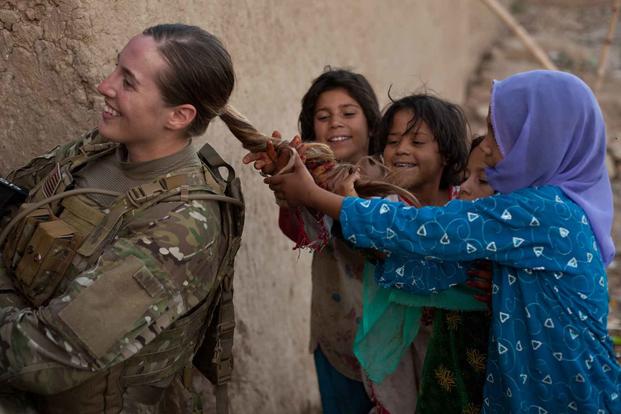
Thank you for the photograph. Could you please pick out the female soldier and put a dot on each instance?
(108, 287)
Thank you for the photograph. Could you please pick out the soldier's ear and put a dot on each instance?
(181, 117)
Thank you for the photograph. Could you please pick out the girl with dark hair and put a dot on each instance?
(546, 232)
(340, 109)
(424, 140)
(350, 93)
(107, 286)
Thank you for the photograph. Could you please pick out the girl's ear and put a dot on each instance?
(181, 117)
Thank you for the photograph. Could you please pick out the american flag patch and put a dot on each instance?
(52, 181)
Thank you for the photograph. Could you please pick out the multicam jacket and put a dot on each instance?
(119, 330)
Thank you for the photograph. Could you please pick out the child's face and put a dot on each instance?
(414, 154)
(476, 185)
(486, 154)
(340, 123)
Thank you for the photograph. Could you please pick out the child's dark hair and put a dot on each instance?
(447, 123)
(356, 86)
(476, 141)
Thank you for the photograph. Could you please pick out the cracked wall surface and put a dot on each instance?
(53, 53)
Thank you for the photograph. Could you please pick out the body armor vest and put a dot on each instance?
(54, 237)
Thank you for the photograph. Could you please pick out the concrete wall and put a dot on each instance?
(53, 53)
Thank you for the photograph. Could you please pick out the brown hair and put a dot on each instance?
(201, 74)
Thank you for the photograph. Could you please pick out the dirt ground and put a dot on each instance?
(572, 32)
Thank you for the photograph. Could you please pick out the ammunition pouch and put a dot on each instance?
(46, 257)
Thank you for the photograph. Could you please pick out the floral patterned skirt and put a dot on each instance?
(454, 370)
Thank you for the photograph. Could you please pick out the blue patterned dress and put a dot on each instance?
(549, 348)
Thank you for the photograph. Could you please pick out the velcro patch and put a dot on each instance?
(104, 312)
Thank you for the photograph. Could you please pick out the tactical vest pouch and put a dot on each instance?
(81, 216)
(17, 241)
(45, 260)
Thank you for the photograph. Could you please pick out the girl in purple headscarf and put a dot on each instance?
(546, 231)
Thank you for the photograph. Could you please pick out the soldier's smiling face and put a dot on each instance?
(134, 110)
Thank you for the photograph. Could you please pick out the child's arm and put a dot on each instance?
(527, 229)
(419, 275)
(299, 188)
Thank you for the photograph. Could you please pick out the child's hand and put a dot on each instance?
(481, 278)
(346, 187)
(271, 160)
(264, 161)
(295, 187)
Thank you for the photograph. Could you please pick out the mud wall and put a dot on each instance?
(54, 52)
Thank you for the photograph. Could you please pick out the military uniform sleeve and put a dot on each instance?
(152, 274)
(523, 229)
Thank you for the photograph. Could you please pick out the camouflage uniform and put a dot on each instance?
(120, 328)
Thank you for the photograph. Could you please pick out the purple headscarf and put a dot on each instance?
(550, 130)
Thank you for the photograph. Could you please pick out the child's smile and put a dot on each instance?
(412, 153)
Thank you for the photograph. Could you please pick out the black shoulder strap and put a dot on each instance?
(214, 161)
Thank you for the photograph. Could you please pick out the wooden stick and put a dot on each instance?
(521, 33)
(603, 56)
